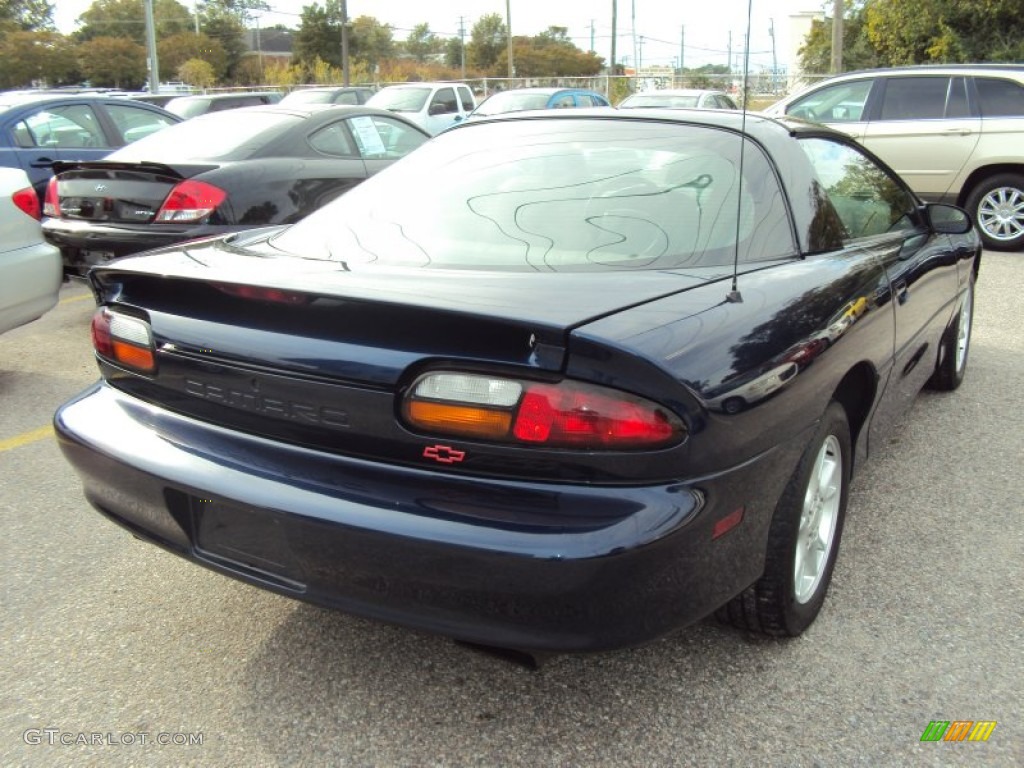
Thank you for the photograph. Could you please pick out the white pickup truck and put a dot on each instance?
(432, 106)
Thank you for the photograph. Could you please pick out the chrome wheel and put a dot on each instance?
(818, 520)
(963, 338)
(1001, 213)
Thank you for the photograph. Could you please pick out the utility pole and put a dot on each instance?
(259, 48)
(344, 43)
(634, 34)
(837, 36)
(775, 62)
(508, 23)
(730, 56)
(154, 65)
(591, 35)
(640, 56)
(615, 34)
(682, 47)
(462, 39)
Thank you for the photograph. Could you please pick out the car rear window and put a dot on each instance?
(400, 99)
(1000, 98)
(562, 195)
(230, 135)
(513, 102)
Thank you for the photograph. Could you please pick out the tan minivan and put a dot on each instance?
(955, 133)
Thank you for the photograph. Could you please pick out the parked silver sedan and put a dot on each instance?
(679, 98)
(30, 268)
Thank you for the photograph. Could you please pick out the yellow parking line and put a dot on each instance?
(69, 299)
(25, 438)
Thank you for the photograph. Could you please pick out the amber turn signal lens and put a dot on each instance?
(464, 420)
(139, 358)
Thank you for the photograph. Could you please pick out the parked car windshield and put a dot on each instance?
(400, 99)
(561, 195)
(231, 135)
(512, 102)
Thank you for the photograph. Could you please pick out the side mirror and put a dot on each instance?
(948, 219)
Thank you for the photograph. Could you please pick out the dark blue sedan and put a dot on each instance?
(39, 129)
(492, 392)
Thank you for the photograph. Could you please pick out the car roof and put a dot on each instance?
(221, 96)
(677, 92)
(307, 111)
(14, 100)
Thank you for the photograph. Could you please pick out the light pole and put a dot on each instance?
(508, 23)
(344, 43)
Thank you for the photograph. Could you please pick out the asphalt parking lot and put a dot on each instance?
(111, 646)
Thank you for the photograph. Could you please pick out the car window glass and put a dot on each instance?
(230, 135)
(1000, 98)
(446, 98)
(384, 137)
(561, 196)
(69, 127)
(334, 140)
(915, 98)
(957, 104)
(467, 99)
(134, 123)
(563, 101)
(347, 97)
(839, 103)
(867, 200)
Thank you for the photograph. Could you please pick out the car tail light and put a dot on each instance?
(123, 339)
(190, 201)
(51, 207)
(28, 201)
(569, 414)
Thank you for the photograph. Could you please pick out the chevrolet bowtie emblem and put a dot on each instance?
(444, 454)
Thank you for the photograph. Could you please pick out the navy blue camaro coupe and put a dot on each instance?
(563, 381)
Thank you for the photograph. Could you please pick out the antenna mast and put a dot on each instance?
(734, 296)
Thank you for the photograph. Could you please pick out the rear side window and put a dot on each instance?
(446, 98)
(867, 200)
(915, 98)
(467, 99)
(1000, 98)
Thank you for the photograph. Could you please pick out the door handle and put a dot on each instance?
(959, 131)
(42, 162)
(902, 294)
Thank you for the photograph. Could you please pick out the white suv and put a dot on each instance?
(955, 133)
(432, 106)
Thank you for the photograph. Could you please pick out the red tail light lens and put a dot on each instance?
(125, 340)
(190, 201)
(569, 414)
(28, 201)
(51, 207)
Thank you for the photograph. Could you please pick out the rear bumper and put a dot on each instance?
(537, 567)
(85, 244)
(31, 284)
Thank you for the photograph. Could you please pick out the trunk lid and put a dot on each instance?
(122, 193)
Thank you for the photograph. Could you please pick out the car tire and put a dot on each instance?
(956, 344)
(733, 405)
(803, 538)
(997, 207)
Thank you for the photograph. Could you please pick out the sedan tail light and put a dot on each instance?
(123, 339)
(51, 207)
(190, 201)
(569, 414)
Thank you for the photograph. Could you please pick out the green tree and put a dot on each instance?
(318, 36)
(127, 18)
(174, 51)
(488, 42)
(552, 53)
(453, 52)
(26, 15)
(370, 42)
(422, 43)
(226, 25)
(113, 61)
(36, 57)
(197, 72)
(858, 52)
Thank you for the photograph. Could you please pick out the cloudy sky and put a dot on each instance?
(703, 25)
